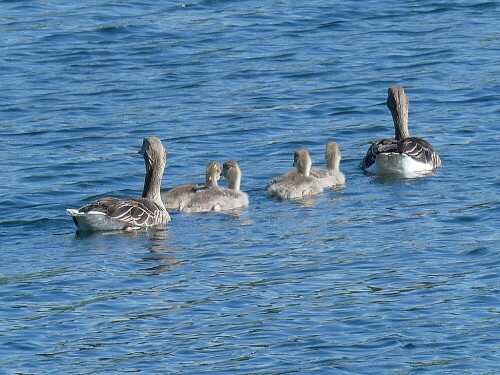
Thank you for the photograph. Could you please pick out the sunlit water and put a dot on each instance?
(382, 276)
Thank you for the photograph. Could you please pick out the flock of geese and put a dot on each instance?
(403, 155)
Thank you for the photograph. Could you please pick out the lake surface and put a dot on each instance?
(382, 276)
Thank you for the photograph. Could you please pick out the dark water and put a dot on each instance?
(382, 276)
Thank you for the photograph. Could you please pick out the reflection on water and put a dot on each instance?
(389, 179)
(160, 253)
(156, 241)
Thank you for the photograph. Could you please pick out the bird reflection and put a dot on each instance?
(160, 253)
(308, 201)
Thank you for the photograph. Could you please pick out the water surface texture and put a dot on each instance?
(384, 275)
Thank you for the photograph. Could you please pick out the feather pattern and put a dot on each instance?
(137, 212)
(416, 148)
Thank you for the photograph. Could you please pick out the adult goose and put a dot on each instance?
(297, 183)
(331, 176)
(404, 155)
(126, 214)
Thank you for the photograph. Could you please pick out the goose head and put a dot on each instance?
(153, 151)
(213, 174)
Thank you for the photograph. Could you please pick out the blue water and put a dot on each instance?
(382, 276)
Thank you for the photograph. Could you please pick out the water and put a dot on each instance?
(382, 276)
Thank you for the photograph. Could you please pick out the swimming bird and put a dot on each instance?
(331, 176)
(206, 198)
(232, 197)
(126, 214)
(217, 198)
(178, 197)
(297, 183)
(404, 155)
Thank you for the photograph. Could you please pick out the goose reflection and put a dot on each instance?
(161, 254)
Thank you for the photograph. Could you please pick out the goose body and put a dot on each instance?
(177, 197)
(115, 214)
(409, 157)
(232, 197)
(220, 199)
(123, 214)
(297, 183)
(206, 198)
(404, 155)
(331, 176)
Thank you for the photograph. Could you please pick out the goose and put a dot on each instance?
(206, 198)
(404, 155)
(232, 197)
(178, 197)
(331, 176)
(217, 198)
(111, 213)
(297, 183)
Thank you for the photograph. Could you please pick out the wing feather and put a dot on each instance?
(420, 150)
(134, 212)
(383, 145)
(414, 147)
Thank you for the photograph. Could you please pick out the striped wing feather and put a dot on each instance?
(420, 150)
(136, 212)
(416, 148)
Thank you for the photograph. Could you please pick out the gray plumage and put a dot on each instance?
(178, 197)
(297, 183)
(331, 176)
(207, 197)
(175, 198)
(232, 197)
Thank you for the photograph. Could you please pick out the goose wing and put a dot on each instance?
(420, 150)
(135, 212)
(384, 145)
(414, 147)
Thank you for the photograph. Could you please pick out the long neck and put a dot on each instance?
(401, 125)
(210, 181)
(333, 163)
(235, 181)
(152, 182)
(399, 111)
(306, 170)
